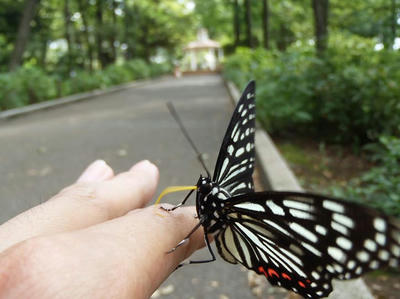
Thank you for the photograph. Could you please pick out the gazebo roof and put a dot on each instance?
(203, 42)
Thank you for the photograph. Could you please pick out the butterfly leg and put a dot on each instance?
(202, 261)
(179, 205)
(186, 239)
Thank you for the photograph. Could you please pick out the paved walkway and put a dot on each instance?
(42, 152)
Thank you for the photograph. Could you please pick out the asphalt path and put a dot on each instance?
(42, 152)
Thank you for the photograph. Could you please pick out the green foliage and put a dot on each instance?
(380, 186)
(349, 96)
(30, 85)
(25, 86)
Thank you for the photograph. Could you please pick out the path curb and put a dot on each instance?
(70, 99)
(278, 176)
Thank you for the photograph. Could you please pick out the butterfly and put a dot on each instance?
(299, 241)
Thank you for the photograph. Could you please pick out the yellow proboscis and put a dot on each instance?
(172, 189)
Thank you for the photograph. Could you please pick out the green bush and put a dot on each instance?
(350, 95)
(139, 68)
(30, 85)
(27, 85)
(380, 186)
(117, 74)
(157, 69)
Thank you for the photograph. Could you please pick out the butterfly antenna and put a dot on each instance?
(173, 112)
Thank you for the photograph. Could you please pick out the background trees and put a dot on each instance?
(74, 34)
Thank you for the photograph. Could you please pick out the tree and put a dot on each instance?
(265, 24)
(67, 20)
(23, 33)
(83, 8)
(101, 56)
(236, 22)
(320, 9)
(249, 35)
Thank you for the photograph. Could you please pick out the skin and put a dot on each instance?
(95, 239)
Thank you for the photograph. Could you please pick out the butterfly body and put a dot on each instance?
(299, 241)
(210, 204)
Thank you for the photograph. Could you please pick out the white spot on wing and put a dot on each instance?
(276, 226)
(230, 149)
(380, 224)
(344, 243)
(320, 229)
(300, 214)
(383, 255)
(344, 220)
(351, 264)
(362, 256)
(224, 165)
(370, 245)
(303, 232)
(297, 205)
(336, 253)
(277, 210)
(380, 239)
(248, 146)
(340, 228)
(251, 206)
(236, 137)
(239, 152)
(333, 206)
(240, 186)
(311, 249)
(396, 250)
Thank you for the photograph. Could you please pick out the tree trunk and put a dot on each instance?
(83, 10)
(265, 23)
(67, 19)
(394, 22)
(113, 36)
(320, 9)
(23, 33)
(99, 38)
(249, 36)
(236, 22)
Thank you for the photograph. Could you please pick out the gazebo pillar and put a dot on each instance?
(193, 60)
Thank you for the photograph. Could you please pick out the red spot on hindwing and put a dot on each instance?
(261, 270)
(272, 272)
(269, 273)
(285, 276)
(301, 284)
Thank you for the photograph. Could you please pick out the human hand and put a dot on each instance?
(94, 239)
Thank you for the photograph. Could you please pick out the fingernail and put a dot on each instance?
(96, 171)
(144, 165)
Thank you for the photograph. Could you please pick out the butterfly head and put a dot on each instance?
(204, 185)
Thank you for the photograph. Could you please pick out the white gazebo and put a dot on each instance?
(202, 54)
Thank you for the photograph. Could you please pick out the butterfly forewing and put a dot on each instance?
(301, 241)
(235, 163)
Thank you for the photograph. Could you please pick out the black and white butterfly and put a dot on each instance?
(299, 241)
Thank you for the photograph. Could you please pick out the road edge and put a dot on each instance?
(11, 113)
(278, 176)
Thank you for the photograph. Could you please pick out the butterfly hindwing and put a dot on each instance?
(301, 241)
(235, 163)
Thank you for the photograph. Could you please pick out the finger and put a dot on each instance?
(84, 204)
(96, 172)
(147, 235)
(127, 255)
